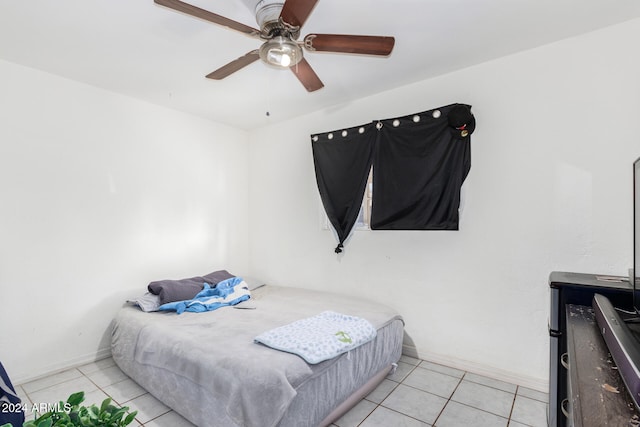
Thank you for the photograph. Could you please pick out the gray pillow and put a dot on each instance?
(252, 282)
(147, 302)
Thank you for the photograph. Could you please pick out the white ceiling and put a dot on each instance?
(147, 51)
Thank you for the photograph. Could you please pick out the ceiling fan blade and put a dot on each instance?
(208, 16)
(307, 76)
(234, 66)
(296, 12)
(342, 43)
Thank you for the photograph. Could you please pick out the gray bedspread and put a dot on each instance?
(252, 385)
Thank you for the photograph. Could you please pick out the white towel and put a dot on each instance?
(319, 337)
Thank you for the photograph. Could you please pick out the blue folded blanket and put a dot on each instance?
(228, 292)
(320, 337)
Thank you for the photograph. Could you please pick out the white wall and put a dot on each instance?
(100, 195)
(549, 189)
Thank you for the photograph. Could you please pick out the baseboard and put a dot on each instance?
(46, 370)
(408, 350)
(476, 368)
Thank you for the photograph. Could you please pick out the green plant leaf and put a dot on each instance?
(129, 419)
(93, 412)
(119, 413)
(43, 417)
(105, 404)
(76, 398)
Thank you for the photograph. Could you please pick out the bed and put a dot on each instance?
(207, 367)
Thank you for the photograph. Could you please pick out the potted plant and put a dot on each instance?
(71, 414)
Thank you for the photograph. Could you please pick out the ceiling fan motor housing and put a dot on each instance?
(268, 11)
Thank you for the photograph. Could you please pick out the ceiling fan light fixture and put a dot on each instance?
(281, 52)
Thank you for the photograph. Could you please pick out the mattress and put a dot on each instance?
(207, 367)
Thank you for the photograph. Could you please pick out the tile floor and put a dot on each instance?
(419, 393)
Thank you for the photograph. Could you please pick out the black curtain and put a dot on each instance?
(419, 166)
(342, 161)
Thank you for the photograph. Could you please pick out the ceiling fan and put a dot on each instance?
(280, 22)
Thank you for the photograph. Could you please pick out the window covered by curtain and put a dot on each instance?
(419, 164)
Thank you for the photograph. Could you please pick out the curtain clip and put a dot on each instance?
(379, 125)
